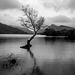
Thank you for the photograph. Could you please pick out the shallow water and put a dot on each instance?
(54, 56)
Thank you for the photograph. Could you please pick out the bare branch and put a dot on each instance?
(32, 20)
(25, 23)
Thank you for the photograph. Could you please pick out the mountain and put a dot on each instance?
(23, 29)
(61, 27)
(28, 31)
(5, 29)
(65, 27)
(53, 26)
(61, 30)
(41, 31)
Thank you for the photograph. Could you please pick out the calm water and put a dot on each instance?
(54, 56)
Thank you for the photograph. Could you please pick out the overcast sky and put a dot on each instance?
(54, 11)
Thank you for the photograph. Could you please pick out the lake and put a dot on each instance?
(54, 56)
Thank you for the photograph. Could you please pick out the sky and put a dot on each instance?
(55, 11)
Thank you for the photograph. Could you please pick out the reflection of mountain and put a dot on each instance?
(5, 29)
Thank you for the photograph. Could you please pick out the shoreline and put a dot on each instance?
(20, 35)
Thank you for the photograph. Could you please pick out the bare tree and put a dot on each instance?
(31, 20)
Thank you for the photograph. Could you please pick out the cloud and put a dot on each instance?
(49, 5)
(56, 4)
(57, 11)
(8, 18)
(61, 19)
(71, 4)
(8, 4)
(59, 4)
(9, 11)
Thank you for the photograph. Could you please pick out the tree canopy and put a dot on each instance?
(30, 19)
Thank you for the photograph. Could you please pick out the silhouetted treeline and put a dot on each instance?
(67, 33)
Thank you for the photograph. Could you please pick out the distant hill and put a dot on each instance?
(23, 29)
(61, 27)
(28, 31)
(66, 31)
(5, 29)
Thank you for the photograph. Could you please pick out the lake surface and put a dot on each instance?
(54, 56)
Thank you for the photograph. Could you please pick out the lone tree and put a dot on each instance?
(31, 20)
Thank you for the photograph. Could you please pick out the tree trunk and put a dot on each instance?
(28, 41)
(28, 46)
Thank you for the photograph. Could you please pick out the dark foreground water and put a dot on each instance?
(54, 56)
